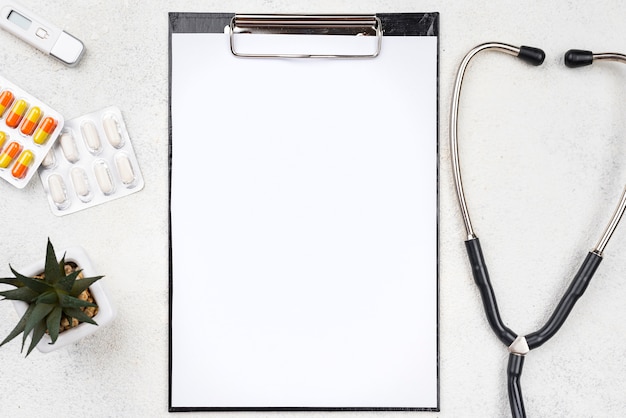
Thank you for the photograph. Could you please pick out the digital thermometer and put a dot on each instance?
(40, 33)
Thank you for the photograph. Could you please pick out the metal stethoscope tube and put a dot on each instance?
(577, 58)
(518, 345)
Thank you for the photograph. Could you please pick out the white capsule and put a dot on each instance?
(68, 146)
(103, 176)
(79, 180)
(49, 160)
(112, 131)
(57, 189)
(125, 169)
(90, 134)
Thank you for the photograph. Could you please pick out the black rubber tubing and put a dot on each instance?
(514, 374)
(481, 277)
(566, 304)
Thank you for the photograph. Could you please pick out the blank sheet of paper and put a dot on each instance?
(303, 228)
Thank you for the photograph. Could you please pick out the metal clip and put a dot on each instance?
(355, 25)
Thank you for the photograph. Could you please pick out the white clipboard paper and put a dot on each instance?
(303, 222)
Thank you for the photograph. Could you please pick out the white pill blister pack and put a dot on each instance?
(92, 162)
(28, 129)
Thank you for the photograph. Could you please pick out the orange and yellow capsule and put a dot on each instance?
(3, 138)
(21, 165)
(31, 120)
(16, 113)
(9, 154)
(6, 98)
(47, 126)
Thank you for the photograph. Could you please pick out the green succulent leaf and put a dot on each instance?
(11, 281)
(53, 323)
(50, 297)
(67, 282)
(18, 276)
(36, 284)
(62, 266)
(39, 313)
(21, 293)
(19, 328)
(38, 333)
(68, 301)
(79, 315)
(82, 284)
(54, 270)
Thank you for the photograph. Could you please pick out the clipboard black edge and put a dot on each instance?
(394, 24)
(298, 409)
(169, 212)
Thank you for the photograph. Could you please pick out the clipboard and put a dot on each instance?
(303, 212)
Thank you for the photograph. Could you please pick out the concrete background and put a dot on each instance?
(544, 158)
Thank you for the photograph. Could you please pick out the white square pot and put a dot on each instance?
(106, 311)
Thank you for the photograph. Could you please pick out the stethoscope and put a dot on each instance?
(519, 345)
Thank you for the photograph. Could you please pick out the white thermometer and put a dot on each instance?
(40, 33)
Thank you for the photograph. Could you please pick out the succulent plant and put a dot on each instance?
(51, 297)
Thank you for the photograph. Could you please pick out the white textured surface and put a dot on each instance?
(544, 157)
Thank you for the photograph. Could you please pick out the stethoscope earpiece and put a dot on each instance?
(575, 58)
(533, 56)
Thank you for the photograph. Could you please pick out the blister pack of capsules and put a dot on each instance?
(92, 162)
(28, 129)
